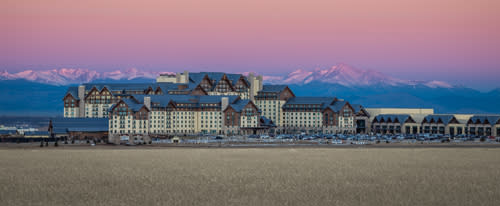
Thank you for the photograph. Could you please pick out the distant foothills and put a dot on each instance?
(36, 93)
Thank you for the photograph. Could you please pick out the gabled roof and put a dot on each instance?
(357, 108)
(444, 118)
(196, 78)
(239, 105)
(266, 122)
(73, 91)
(132, 104)
(64, 125)
(337, 105)
(401, 118)
(199, 88)
(235, 77)
(492, 119)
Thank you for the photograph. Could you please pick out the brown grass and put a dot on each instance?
(267, 176)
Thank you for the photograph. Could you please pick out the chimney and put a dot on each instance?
(250, 76)
(260, 79)
(224, 103)
(81, 96)
(147, 102)
(186, 75)
(251, 79)
(177, 77)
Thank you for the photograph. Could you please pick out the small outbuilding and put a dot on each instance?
(79, 128)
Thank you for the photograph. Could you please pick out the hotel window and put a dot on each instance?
(347, 113)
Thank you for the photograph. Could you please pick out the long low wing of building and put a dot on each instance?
(488, 125)
(442, 124)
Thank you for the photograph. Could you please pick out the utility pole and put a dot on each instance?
(51, 133)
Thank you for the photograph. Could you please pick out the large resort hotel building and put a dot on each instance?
(209, 103)
(233, 104)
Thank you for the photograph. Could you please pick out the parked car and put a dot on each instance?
(307, 138)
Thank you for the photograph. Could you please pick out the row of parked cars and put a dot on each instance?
(379, 137)
(340, 138)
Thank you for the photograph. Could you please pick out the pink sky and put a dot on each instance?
(455, 39)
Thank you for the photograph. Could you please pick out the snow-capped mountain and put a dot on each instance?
(369, 88)
(341, 74)
(67, 76)
(348, 76)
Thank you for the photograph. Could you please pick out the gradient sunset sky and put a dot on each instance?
(451, 40)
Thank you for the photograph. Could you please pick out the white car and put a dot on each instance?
(336, 141)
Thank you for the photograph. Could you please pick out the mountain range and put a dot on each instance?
(40, 92)
(341, 74)
(68, 76)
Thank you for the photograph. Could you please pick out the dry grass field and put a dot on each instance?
(258, 176)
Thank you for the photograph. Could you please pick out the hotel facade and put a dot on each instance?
(234, 104)
(208, 103)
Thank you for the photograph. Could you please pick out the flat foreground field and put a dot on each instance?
(250, 176)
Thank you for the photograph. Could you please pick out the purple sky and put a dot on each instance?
(451, 40)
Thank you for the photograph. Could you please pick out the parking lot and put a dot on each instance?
(328, 139)
(285, 140)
